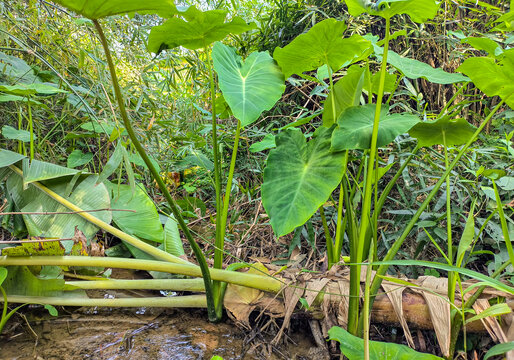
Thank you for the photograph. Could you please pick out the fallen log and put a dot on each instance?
(422, 305)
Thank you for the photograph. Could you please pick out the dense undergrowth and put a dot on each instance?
(430, 188)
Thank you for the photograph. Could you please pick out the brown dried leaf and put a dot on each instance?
(490, 323)
(395, 294)
(439, 309)
(335, 303)
(97, 249)
(240, 300)
(313, 289)
(79, 247)
(291, 297)
(238, 303)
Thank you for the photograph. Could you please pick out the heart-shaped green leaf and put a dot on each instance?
(267, 143)
(347, 92)
(454, 131)
(418, 10)
(506, 183)
(353, 347)
(356, 127)
(492, 77)
(389, 85)
(249, 87)
(17, 69)
(78, 158)
(323, 44)
(198, 30)
(414, 69)
(14, 134)
(299, 177)
(96, 9)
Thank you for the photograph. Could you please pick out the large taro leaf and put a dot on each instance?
(9, 98)
(44, 248)
(172, 242)
(40, 170)
(356, 127)
(96, 9)
(414, 69)
(353, 348)
(492, 77)
(144, 222)
(87, 195)
(8, 157)
(198, 30)
(323, 44)
(299, 177)
(249, 87)
(17, 69)
(20, 281)
(418, 10)
(453, 131)
(347, 92)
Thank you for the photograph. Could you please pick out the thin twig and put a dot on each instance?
(257, 213)
(199, 219)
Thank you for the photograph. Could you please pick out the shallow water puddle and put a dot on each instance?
(107, 334)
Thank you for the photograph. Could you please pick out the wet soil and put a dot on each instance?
(155, 334)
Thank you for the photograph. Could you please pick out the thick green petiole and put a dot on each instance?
(141, 151)
(261, 282)
(364, 229)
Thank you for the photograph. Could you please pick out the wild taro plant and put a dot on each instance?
(249, 88)
(300, 176)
